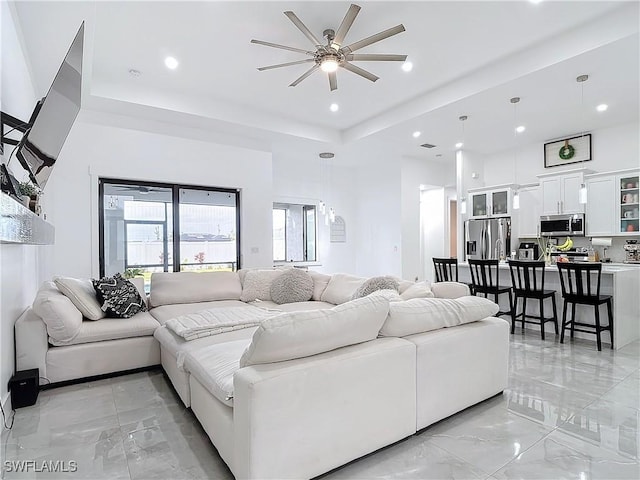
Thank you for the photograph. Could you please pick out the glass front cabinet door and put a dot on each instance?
(500, 202)
(479, 205)
(629, 204)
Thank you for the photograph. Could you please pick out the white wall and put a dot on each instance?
(379, 224)
(433, 208)
(22, 267)
(99, 150)
(614, 148)
(306, 179)
(415, 174)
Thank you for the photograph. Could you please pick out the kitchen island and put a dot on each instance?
(622, 281)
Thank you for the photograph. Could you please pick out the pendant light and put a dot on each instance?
(515, 203)
(460, 160)
(582, 193)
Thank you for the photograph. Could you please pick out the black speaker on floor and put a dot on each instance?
(24, 387)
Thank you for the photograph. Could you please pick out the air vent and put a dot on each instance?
(427, 145)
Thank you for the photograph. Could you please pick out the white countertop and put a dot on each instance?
(606, 267)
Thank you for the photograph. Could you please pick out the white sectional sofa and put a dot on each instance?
(308, 389)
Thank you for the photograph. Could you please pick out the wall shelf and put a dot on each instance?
(19, 225)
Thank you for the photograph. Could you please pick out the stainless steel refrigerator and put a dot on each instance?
(488, 238)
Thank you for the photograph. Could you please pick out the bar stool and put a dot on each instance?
(577, 281)
(446, 269)
(527, 280)
(485, 280)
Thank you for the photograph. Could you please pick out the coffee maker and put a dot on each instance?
(632, 251)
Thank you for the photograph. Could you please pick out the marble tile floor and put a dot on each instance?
(570, 412)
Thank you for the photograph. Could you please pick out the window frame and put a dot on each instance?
(175, 208)
(284, 205)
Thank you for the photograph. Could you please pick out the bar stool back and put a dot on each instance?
(485, 280)
(527, 280)
(446, 269)
(581, 285)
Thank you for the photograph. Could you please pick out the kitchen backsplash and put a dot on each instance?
(614, 252)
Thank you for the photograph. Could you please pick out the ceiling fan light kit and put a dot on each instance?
(333, 55)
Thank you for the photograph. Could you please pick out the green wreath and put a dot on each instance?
(566, 151)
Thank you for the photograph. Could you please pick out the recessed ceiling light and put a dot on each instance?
(535, 1)
(171, 63)
(134, 73)
(602, 107)
(407, 66)
(520, 129)
(438, 155)
(416, 134)
(459, 145)
(334, 107)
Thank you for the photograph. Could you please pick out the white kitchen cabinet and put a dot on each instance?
(601, 214)
(528, 215)
(560, 192)
(491, 202)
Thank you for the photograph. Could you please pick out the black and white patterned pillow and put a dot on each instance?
(118, 296)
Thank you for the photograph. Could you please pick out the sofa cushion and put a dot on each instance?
(140, 325)
(302, 334)
(417, 290)
(257, 284)
(403, 285)
(341, 288)
(374, 284)
(139, 283)
(292, 286)
(424, 314)
(214, 366)
(320, 282)
(120, 298)
(60, 315)
(82, 295)
(166, 312)
(168, 288)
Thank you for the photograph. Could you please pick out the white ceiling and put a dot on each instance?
(469, 58)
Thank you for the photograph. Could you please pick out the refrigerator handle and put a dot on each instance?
(489, 242)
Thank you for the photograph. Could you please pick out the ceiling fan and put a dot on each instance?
(334, 54)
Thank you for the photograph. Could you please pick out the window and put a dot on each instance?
(294, 233)
(153, 227)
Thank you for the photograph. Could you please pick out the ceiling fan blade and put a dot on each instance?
(375, 57)
(284, 47)
(303, 28)
(333, 81)
(305, 75)
(372, 39)
(347, 21)
(359, 71)
(286, 64)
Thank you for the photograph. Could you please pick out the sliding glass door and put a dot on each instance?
(152, 227)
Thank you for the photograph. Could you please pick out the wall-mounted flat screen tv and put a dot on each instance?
(53, 117)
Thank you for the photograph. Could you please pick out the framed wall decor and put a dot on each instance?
(568, 150)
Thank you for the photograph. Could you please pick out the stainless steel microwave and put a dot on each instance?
(562, 225)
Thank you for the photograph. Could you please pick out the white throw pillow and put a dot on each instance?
(403, 285)
(320, 282)
(305, 333)
(341, 288)
(139, 283)
(450, 289)
(293, 286)
(257, 284)
(82, 295)
(60, 315)
(418, 290)
(425, 314)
